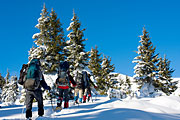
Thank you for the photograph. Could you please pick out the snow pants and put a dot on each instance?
(63, 93)
(78, 91)
(30, 95)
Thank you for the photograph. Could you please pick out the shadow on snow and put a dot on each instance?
(96, 114)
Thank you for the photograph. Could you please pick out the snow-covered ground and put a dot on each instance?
(103, 108)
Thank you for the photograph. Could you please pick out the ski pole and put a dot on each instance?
(23, 109)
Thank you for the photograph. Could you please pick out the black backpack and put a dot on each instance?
(85, 79)
(63, 74)
(23, 73)
(33, 75)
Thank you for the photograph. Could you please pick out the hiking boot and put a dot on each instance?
(88, 98)
(29, 118)
(66, 104)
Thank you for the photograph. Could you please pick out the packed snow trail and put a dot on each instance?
(161, 108)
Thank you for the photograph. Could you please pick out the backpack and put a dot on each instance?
(32, 81)
(79, 79)
(85, 79)
(23, 72)
(63, 74)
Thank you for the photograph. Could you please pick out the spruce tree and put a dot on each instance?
(10, 91)
(42, 38)
(104, 82)
(2, 81)
(7, 77)
(125, 87)
(165, 82)
(75, 48)
(54, 51)
(50, 41)
(95, 62)
(128, 86)
(145, 69)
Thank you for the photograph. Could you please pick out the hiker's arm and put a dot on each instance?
(44, 84)
(20, 81)
(91, 82)
(22, 74)
(71, 79)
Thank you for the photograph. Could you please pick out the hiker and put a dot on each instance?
(63, 83)
(32, 81)
(78, 91)
(87, 86)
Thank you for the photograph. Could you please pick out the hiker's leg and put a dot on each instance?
(66, 98)
(80, 95)
(39, 98)
(60, 97)
(29, 101)
(76, 90)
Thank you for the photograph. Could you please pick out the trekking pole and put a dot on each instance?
(91, 99)
(22, 112)
(23, 109)
(52, 94)
(95, 96)
(51, 101)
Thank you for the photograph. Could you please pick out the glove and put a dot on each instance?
(48, 88)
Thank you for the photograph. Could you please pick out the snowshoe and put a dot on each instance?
(58, 108)
(75, 102)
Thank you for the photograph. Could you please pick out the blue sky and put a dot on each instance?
(112, 25)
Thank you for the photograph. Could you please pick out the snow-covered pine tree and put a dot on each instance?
(145, 69)
(2, 81)
(127, 86)
(22, 95)
(54, 51)
(104, 83)
(10, 91)
(42, 38)
(75, 48)
(95, 62)
(49, 41)
(7, 77)
(165, 82)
